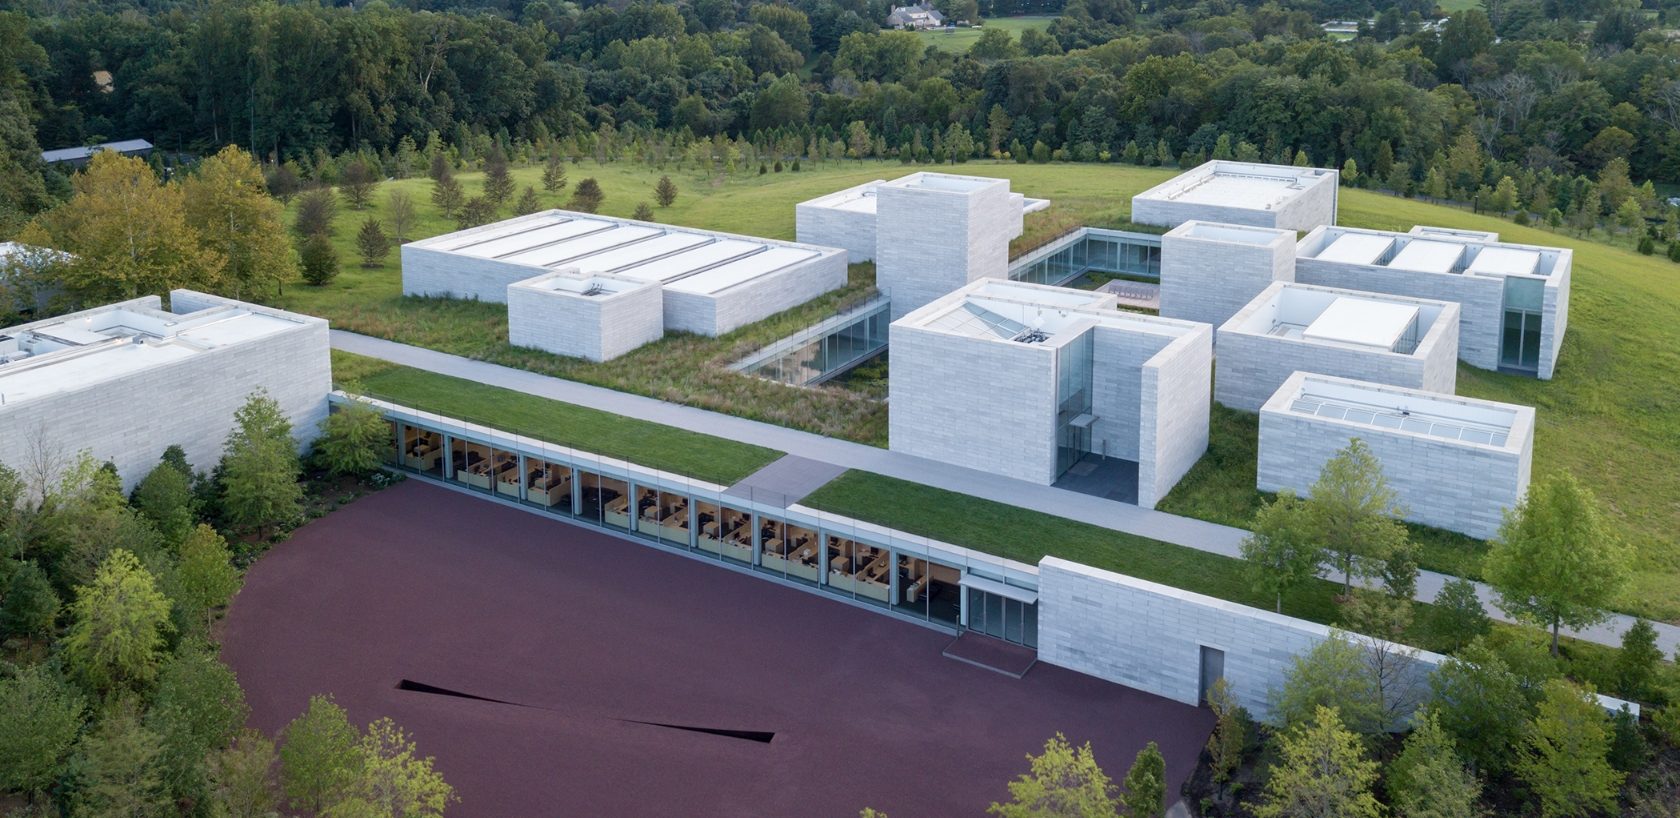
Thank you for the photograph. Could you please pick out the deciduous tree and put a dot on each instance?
(1333, 674)
(1322, 772)
(358, 181)
(119, 771)
(1427, 780)
(395, 779)
(1282, 552)
(205, 575)
(317, 211)
(1062, 780)
(1481, 703)
(399, 207)
(320, 760)
(260, 467)
(40, 716)
(1145, 793)
(354, 440)
(228, 206)
(165, 497)
(30, 607)
(243, 777)
(1564, 754)
(1230, 731)
(197, 709)
(1354, 509)
(1557, 561)
(118, 625)
(1459, 614)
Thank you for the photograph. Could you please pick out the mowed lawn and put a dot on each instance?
(959, 40)
(1609, 415)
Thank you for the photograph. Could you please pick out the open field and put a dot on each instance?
(598, 662)
(960, 40)
(1608, 416)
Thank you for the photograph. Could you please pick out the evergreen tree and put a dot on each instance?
(554, 173)
(372, 243)
(665, 192)
(643, 212)
(260, 468)
(498, 182)
(117, 626)
(587, 196)
(320, 260)
(476, 211)
(1322, 772)
(447, 195)
(1636, 664)
(528, 202)
(1564, 754)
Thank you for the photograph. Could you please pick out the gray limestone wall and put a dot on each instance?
(930, 242)
(594, 328)
(434, 273)
(1150, 636)
(1554, 316)
(1164, 213)
(767, 295)
(1176, 403)
(1250, 367)
(1449, 484)
(130, 420)
(1481, 299)
(1210, 279)
(851, 230)
(1314, 208)
(1117, 359)
(974, 403)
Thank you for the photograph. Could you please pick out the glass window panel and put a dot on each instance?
(1029, 626)
(393, 444)
(912, 587)
(736, 529)
(614, 498)
(548, 485)
(673, 519)
(472, 463)
(647, 512)
(1531, 341)
(1511, 344)
(944, 594)
(772, 546)
(804, 554)
(1012, 613)
(842, 564)
(504, 473)
(872, 574)
(423, 450)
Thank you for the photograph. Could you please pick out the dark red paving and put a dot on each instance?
(595, 633)
(990, 652)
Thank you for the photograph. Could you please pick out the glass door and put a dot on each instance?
(1003, 618)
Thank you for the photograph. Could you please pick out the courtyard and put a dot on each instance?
(554, 669)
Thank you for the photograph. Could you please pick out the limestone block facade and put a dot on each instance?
(1211, 271)
(134, 379)
(1242, 193)
(597, 318)
(1455, 463)
(1261, 346)
(843, 219)
(936, 233)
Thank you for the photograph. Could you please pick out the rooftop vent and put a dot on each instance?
(1031, 336)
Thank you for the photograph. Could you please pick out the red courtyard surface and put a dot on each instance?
(590, 642)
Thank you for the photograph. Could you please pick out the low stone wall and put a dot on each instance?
(851, 230)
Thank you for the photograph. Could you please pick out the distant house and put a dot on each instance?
(78, 157)
(916, 17)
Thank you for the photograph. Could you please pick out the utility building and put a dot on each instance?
(1281, 196)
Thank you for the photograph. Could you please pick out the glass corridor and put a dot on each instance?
(837, 560)
(824, 350)
(1090, 250)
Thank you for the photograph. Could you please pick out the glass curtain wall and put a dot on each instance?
(548, 485)
(1091, 252)
(1073, 401)
(1003, 618)
(422, 450)
(1519, 344)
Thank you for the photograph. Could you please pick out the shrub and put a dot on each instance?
(320, 260)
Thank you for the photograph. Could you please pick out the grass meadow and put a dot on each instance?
(959, 40)
(1610, 415)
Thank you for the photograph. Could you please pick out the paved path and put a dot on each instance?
(1130, 519)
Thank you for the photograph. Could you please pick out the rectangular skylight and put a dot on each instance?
(1375, 324)
(577, 248)
(728, 275)
(1506, 261)
(1428, 256)
(1356, 248)
(689, 261)
(640, 252)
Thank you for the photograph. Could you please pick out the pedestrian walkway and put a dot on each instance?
(1130, 519)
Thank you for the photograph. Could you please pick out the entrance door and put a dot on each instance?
(1003, 618)
(1519, 346)
(1213, 669)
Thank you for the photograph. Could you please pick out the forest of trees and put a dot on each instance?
(1524, 90)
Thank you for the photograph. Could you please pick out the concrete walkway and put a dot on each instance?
(1130, 519)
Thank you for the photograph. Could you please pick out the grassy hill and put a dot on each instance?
(959, 40)
(1609, 416)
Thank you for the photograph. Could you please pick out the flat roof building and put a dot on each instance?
(81, 155)
(1455, 463)
(596, 317)
(1380, 338)
(846, 218)
(1514, 298)
(127, 380)
(713, 282)
(1210, 271)
(1244, 193)
(1029, 381)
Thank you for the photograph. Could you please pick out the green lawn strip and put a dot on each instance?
(1026, 536)
(646, 444)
